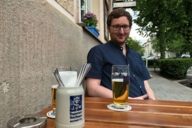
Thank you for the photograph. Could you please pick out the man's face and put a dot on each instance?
(119, 30)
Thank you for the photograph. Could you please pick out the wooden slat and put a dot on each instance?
(152, 113)
(141, 102)
(144, 114)
(147, 108)
(94, 124)
(134, 118)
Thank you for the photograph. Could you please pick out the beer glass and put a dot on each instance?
(120, 84)
(53, 96)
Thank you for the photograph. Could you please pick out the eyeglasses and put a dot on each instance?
(118, 27)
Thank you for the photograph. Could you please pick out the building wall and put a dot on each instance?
(148, 49)
(98, 9)
(68, 5)
(95, 6)
(35, 38)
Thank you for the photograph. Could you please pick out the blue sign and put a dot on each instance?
(76, 108)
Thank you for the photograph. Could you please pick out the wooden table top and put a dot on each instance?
(144, 114)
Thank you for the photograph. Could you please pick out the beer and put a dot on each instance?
(120, 91)
(53, 95)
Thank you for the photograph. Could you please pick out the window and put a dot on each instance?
(106, 11)
(85, 7)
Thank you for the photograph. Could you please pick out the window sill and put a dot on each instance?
(89, 32)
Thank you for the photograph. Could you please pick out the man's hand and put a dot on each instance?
(139, 97)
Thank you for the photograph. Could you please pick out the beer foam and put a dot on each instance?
(117, 80)
(54, 86)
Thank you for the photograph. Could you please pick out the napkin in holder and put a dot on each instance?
(68, 78)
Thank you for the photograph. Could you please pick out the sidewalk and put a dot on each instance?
(165, 89)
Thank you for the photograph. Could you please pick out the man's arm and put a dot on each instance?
(95, 89)
(150, 92)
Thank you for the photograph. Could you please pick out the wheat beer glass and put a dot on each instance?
(120, 84)
(53, 95)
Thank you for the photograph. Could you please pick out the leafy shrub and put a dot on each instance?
(153, 63)
(174, 68)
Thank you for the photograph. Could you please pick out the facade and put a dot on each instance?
(36, 37)
(75, 9)
(151, 54)
(149, 51)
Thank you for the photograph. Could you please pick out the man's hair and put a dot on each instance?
(116, 13)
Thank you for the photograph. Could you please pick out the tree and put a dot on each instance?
(170, 21)
(134, 44)
(186, 30)
(155, 43)
(176, 44)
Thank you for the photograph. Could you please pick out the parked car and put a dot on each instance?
(185, 56)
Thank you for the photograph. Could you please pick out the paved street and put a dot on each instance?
(165, 89)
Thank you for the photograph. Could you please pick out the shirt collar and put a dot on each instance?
(117, 46)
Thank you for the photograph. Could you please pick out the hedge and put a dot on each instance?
(174, 68)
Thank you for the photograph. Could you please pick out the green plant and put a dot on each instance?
(90, 19)
(174, 68)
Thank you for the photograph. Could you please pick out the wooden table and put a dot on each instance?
(144, 114)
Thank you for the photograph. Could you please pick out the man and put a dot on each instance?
(116, 52)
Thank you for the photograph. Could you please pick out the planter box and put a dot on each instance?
(92, 30)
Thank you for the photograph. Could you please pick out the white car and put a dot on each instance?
(185, 56)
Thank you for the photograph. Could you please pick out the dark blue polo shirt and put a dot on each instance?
(103, 56)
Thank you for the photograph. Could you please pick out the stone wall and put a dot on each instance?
(35, 39)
